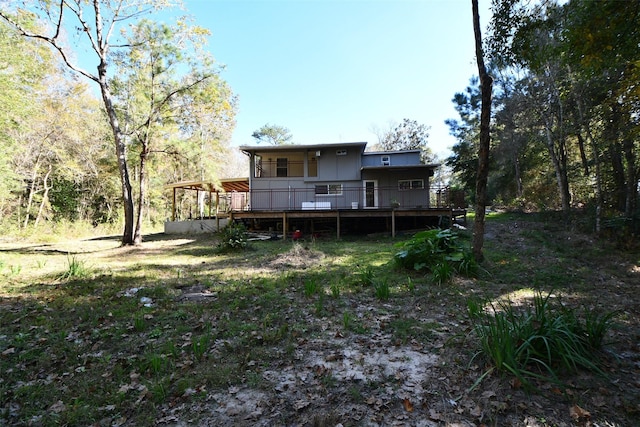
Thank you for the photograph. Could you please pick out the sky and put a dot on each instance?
(336, 70)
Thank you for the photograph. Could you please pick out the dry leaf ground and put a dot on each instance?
(174, 334)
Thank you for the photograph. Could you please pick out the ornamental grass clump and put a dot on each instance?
(539, 342)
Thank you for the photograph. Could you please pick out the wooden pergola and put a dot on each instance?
(222, 186)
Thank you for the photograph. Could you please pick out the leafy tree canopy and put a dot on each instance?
(272, 134)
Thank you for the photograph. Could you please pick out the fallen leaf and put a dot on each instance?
(435, 415)
(408, 406)
(577, 413)
(300, 404)
(9, 351)
(57, 407)
(488, 394)
(477, 411)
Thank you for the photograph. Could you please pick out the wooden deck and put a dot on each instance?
(313, 220)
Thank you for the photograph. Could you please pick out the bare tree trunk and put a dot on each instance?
(45, 196)
(142, 193)
(632, 180)
(486, 83)
(560, 170)
(121, 154)
(32, 192)
(596, 161)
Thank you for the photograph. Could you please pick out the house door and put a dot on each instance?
(370, 194)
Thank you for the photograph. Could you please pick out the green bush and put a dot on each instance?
(540, 342)
(437, 251)
(233, 238)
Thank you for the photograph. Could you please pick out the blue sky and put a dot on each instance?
(332, 71)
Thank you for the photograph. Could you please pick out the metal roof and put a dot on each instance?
(224, 185)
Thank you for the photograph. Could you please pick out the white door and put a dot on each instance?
(370, 194)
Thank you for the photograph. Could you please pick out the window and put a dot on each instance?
(385, 160)
(341, 152)
(329, 189)
(411, 184)
(281, 167)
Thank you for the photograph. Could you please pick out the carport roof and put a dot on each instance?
(224, 185)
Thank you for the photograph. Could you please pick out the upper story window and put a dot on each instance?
(385, 160)
(282, 167)
(411, 184)
(341, 152)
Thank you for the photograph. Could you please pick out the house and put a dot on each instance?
(339, 187)
(336, 176)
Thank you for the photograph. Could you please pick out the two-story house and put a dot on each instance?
(336, 176)
(330, 186)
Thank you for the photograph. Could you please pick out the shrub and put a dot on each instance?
(540, 342)
(233, 237)
(437, 251)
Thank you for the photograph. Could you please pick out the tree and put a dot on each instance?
(95, 23)
(408, 135)
(486, 82)
(162, 102)
(272, 134)
(464, 159)
(24, 64)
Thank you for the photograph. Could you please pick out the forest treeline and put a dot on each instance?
(564, 128)
(166, 103)
(566, 109)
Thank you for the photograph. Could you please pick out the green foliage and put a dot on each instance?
(365, 275)
(311, 287)
(540, 342)
(233, 238)
(76, 268)
(438, 251)
(381, 287)
(442, 273)
(272, 134)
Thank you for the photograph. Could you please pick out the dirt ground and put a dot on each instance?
(336, 378)
(374, 380)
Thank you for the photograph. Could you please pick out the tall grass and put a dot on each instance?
(539, 342)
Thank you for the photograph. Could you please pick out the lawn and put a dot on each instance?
(315, 332)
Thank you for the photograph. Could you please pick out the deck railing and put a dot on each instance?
(343, 198)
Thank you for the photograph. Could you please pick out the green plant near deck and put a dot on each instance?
(539, 342)
(437, 251)
(233, 238)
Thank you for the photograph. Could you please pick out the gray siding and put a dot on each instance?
(396, 158)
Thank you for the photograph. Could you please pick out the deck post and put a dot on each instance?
(393, 223)
(338, 225)
(284, 225)
(217, 211)
(173, 206)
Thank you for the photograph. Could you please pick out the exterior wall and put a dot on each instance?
(397, 158)
(283, 193)
(196, 226)
(336, 168)
(389, 188)
(270, 192)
